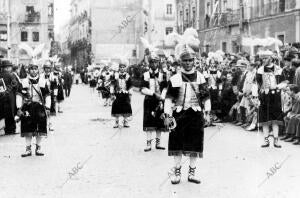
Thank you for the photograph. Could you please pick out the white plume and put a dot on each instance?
(216, 56)
(27, 49)
(54, 59)
(146, 44)
(173, 39)
(33, 53)
(190, 32)
(247, 41)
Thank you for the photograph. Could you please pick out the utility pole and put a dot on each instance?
(8, 29)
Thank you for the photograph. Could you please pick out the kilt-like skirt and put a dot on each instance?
(270, 110)
(152, 120)
(93, 83)
(214, 97)
(121, 106)
(188, 136)
(35, 122)
(60, 94)
(105, 91)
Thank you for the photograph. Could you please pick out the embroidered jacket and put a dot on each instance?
(34, 90)
(188, 91)
(122, 83)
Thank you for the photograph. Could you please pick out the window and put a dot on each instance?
(235, 47)
(224, 5)
(208, 8)
(50, 34)
(186, 14)
(207, 48)
(3, 36)
(281, 5)
(30, 10)
(281, 37)
(169, 30)
(134, 53)
(224, 47)
(24, 36)
(169, 9)
(194, 16)
(50, 9)
(35, 36)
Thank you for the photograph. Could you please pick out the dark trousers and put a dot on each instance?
(6, 112)
(67, 91)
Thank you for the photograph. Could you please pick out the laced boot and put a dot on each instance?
(116, 124)
(191, 177)
(276, 145)
(38, 151)
(27, 152)
(297, 142)
(177, 176)
(148, 148)
(267, 143)
(252, 127)
(287, 136)
(157, 146)
(290, 139)
(125, 123)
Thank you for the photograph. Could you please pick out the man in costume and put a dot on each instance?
(59, 96)
(8, 84)
(68, 81)
(33, 103)
(52, 84)
(105, 85)
(185, 101)
(122, 90)
(215, 88)
(269, 77)
(152, 87)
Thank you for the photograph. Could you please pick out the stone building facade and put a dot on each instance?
(222, 23)
(31, 22)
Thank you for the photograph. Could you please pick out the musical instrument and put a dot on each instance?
(169, 121)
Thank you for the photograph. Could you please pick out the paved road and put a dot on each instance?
(86, 157)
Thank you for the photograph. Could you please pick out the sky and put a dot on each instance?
(62, 13)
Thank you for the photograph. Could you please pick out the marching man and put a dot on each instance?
(269, 77)
(153, 103)
(122, 90)
(60, 87)
(47, 76)
(33, 103)
(185, 98)
(105, 85)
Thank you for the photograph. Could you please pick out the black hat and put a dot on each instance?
(6, 63)
(32, 66)
(296, 63)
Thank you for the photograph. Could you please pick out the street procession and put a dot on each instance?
(147, 98)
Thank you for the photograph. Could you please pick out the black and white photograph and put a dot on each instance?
(149, 98)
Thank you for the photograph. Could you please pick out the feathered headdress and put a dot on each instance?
(186, 43)
(33, 53)
(124, 59)
(216, 56)
(152, 47)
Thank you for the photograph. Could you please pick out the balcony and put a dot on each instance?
(229, 18)
(233, 17)
(33, 18)
(271, 9)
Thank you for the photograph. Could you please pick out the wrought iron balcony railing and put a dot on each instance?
(33, 18)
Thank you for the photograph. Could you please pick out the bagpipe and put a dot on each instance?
(169, 121)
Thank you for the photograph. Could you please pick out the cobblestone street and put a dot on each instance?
(86, 157)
